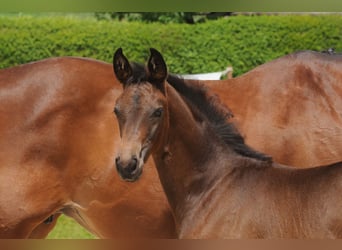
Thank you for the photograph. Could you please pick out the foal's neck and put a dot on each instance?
(190, 150)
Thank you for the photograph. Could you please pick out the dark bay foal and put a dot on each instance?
(216, 185)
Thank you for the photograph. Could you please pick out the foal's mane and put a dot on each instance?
(209, 107)
(216, 114)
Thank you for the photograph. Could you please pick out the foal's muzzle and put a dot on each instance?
(128, 170)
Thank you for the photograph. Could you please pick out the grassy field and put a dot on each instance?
(67, 228)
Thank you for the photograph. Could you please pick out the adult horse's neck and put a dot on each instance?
(189, 149)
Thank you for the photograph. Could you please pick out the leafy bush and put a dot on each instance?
(162, 17)
(241, 41)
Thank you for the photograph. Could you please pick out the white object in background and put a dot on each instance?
(210, 76)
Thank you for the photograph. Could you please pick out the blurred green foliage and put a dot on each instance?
(162, 17)
(240, 41)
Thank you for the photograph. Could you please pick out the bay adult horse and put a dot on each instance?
(59, 138)
(297, 99)
(217, 186)
(57, 147)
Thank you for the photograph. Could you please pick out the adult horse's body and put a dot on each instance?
(217, 186)
(296, 99)
(58, 140)
(57, 152)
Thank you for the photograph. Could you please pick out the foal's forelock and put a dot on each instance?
(139, 74)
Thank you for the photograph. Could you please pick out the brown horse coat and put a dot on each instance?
(59, 138)
(57, 148)
(297, 99)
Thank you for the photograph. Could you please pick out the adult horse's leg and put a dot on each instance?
(43, 229)
(25, 206)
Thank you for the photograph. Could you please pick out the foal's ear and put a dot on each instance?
(122, 67)
(157, 69)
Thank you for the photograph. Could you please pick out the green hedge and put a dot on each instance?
(241, 41)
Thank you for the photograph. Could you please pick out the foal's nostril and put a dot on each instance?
(128, 169)
(117, 160)
(132, 166)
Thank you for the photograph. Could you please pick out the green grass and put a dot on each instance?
(67, 228)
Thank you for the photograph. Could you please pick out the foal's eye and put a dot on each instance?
(158, 112)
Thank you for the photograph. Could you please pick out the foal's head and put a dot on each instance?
(140, 110)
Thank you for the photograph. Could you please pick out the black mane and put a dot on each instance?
(216, 114)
